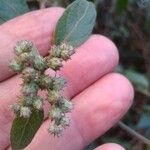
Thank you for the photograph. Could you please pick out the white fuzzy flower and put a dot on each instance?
(25, 112)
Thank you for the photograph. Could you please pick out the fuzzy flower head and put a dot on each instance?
(55, 129)
(66, 51)
(54, 63)
(63, 51)
(64, 121)
(55, 113)
(15, 108)
(23, 46)
(53, 96)
(30, 89)
(55, 51)
(16, 66)
(45, 82)
(65, 105)
(58, 83)
(39, 63)
(25, 112)
(38, 103)
(29, 74)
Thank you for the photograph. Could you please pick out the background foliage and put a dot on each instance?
(127, 23)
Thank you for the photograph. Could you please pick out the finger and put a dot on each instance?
(37, 26)
(93, 59)
(110, 146)
(96, 110)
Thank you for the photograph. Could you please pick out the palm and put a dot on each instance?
(100, 97)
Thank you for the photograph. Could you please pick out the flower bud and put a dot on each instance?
(30, 89)
(38, 103)
(25, 112)
(29, 74)
(66, 51)
(26, 59)
(53, 96)
(45, 82)
(65, 105)
(56, 130)
(64, 121)
(55, 51)
(39, 63)
(58, 83)
(27, 100)
(15, 66)
(65, 55)
(54, 63)
(15, 108)
(23, 46)
(55, 113)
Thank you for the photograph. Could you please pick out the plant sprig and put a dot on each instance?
(72, 29)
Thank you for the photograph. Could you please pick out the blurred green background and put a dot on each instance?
(127, 23)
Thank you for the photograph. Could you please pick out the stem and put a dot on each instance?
(146, 93)
(134, 133)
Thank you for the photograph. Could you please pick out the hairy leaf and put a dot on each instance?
(12, 8)
(76, 24)
(24, 129)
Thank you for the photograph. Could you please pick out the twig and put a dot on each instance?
(134, 133)
(146, 93)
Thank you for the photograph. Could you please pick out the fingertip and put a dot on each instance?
(102, 105)
(54, 11)
(110, 146)
(126, 90)
(106, 49)
(98, 54)
(110, 45)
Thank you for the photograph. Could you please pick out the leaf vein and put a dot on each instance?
(23, 131)
(77, 23)
(10, 6)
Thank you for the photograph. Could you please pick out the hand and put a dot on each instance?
(100, 97)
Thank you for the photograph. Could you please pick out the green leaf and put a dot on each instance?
(76, 24)
(24, 129)
(139, 80)
(12, 8)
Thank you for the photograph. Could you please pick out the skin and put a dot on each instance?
(100, 96)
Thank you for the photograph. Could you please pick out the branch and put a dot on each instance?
(146, 93)
(134, 133)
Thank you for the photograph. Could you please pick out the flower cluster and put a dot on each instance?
(58, 54)
(27, 62)
(59, 104)
(32, 67)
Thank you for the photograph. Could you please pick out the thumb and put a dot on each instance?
(110, 146)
